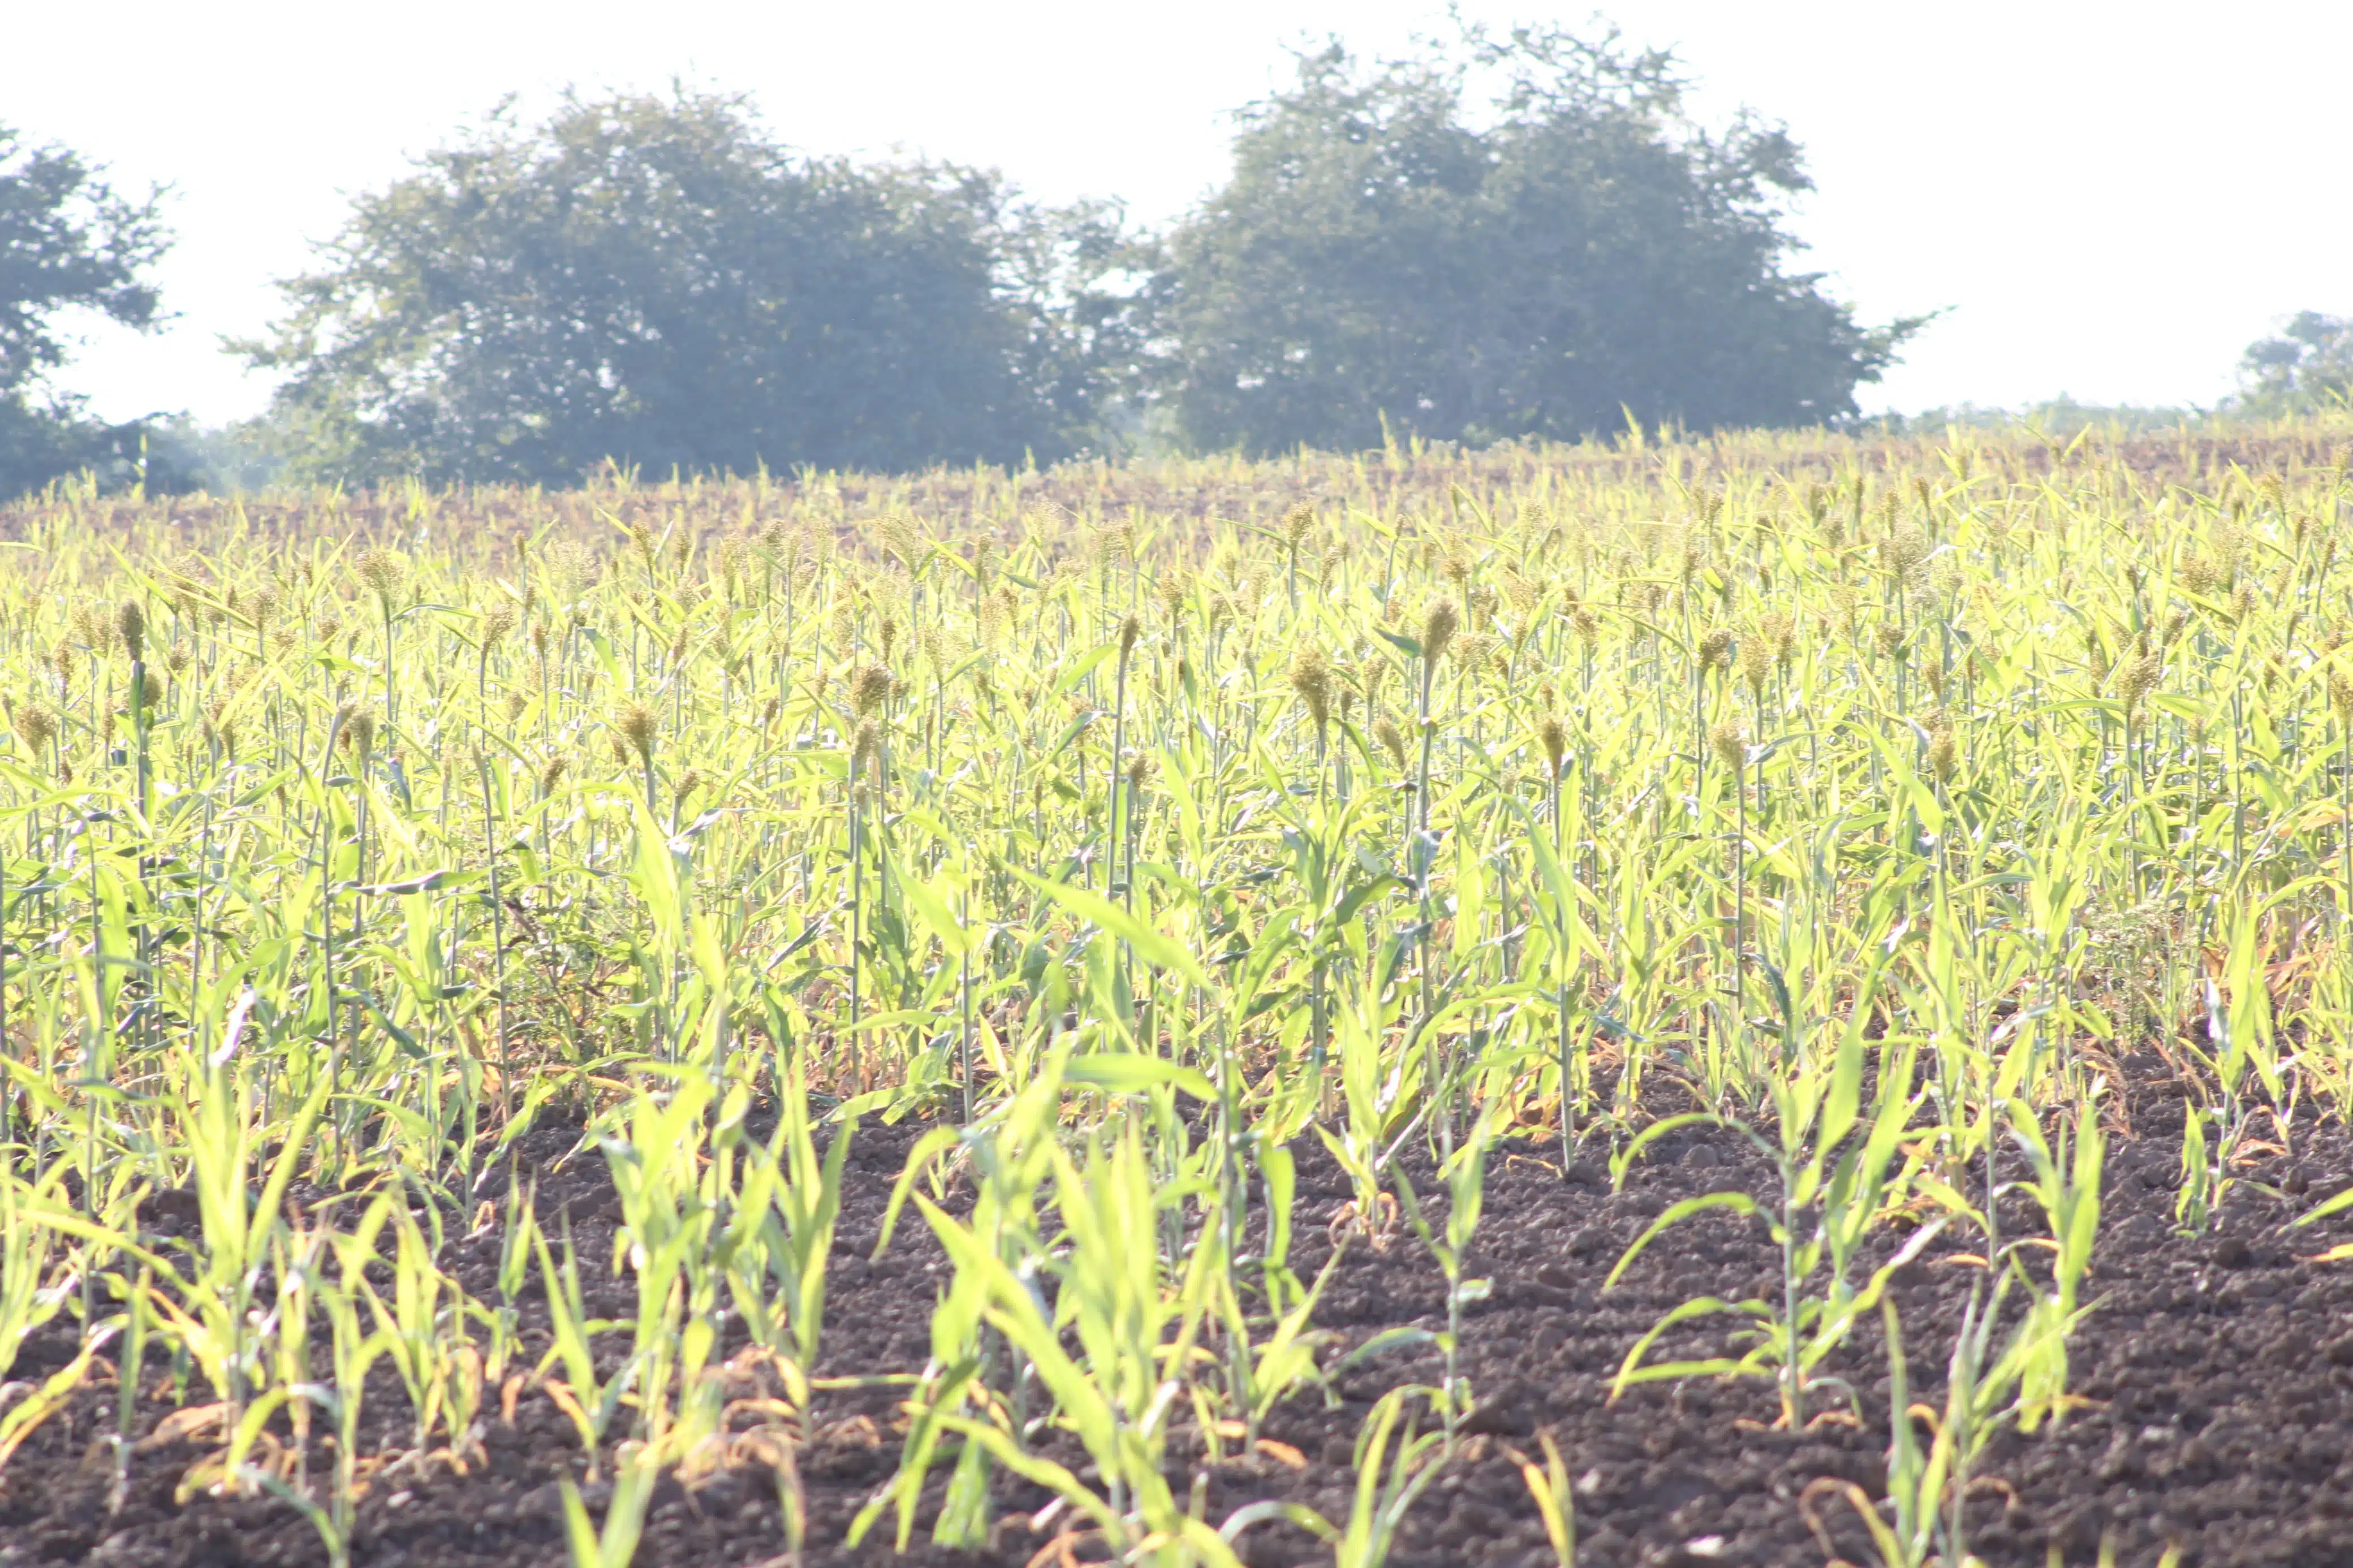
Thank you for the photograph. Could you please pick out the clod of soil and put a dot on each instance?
(2218, 1373)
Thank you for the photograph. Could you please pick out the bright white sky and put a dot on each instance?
(2113, 200)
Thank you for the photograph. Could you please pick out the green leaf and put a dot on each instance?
(1739, 1202)
(931, 906)
(2335, 1204)
(1630, 1371)
(1160, 952)
(1383, 1342)
(1623, 1161)
(1082, 666)
(1124, 1072)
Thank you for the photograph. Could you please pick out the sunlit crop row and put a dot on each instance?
(1131, 825)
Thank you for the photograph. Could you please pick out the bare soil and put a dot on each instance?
(2219, 1370)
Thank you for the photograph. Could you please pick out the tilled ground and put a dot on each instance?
(2220, 1370)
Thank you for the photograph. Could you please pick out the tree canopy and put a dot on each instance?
(653, 281)
(2306, 366)
(1522, 237)
(1503, 236)
(67, 241)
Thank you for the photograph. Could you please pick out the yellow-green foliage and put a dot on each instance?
(389, 821)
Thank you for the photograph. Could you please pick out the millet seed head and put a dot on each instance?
(382, 571)
(1296, 523)
(1553, 736)
(1714, 649)
(1943, 752)
(131, 621)
(869, 689)
(92, 627)
(1391, 739)
(1171, 589)
(1731, 743)
(638, 727)
(1130, 629)
(896, 533)
(2341, 695)
(1439, 624)
(497, 622)
(1311, 680)
(36, 723)
(1472, 650)
(2139, 677)
(1115, 541)
(1755, 659)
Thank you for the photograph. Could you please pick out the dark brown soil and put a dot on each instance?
(2220, 1369)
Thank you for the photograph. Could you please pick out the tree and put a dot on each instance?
(1573, 250)
(652, 282)
(67, 241)
(2308, 367)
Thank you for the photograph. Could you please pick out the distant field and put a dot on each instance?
(1800, 883)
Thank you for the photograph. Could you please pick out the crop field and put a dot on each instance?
(1760, 1000)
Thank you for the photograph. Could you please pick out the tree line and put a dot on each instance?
(1497, 237)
